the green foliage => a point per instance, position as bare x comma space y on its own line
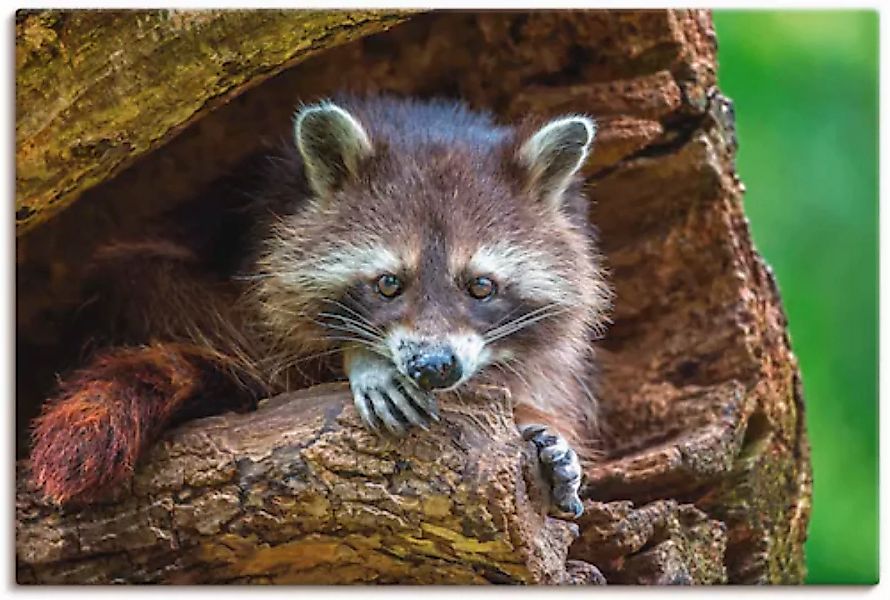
806, 97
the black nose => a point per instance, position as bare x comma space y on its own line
435, 369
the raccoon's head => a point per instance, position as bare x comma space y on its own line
434, 238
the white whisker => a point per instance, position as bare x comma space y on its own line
524, 321
351, 329
348, 321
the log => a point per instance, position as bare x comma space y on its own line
299, 492
124, 82
704, 473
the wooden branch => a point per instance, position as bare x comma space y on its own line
299, 492
97, 89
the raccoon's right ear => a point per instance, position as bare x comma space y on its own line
555, 153
332, 143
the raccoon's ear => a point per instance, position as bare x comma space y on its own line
554, 153
332, 143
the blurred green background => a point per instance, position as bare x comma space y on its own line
805, 86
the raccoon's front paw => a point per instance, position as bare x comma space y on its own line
561, 469
383, 396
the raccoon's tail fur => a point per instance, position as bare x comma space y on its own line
105, 416
173, 353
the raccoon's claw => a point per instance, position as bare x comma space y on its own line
561, 468
383, 401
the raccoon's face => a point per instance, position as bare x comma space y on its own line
438, 344
444, 251
439, 325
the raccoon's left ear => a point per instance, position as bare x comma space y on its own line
554, 153
332, 144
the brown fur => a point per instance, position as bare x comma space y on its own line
104, 416
186, 334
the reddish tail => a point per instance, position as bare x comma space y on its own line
104, 417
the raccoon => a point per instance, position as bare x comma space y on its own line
408, 246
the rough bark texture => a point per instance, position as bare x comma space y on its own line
299, 492
704, 476
97, 89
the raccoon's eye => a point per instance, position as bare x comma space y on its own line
389, 286
482, 288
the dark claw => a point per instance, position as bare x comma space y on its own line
388, 405
530, 432
405, 408
384, 413
572, 509
561, 468
421, 400
365, 412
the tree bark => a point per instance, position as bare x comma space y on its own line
704, 474
97, 89
299, 492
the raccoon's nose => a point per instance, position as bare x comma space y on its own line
434, 370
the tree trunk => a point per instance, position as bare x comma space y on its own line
704, 474
97, 89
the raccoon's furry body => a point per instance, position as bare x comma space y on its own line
409, 246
